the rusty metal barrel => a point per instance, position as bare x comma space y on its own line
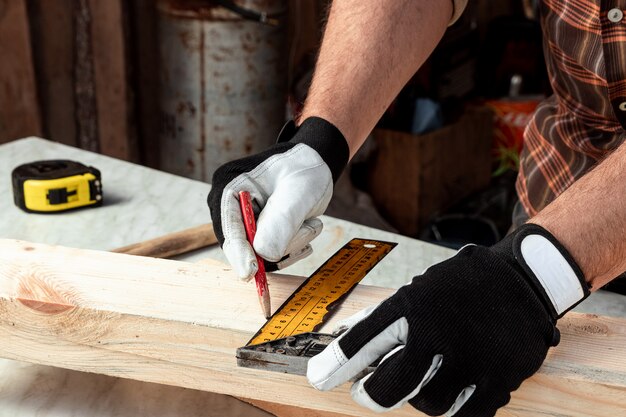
223, 83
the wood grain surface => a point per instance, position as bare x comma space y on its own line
173, 244
52, 30
116, 114
19, 110
177, 323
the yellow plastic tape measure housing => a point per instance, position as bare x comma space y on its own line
36, 193
55, 186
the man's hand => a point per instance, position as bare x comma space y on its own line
290, 183
464, 335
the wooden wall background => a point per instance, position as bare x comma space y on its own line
85, 72
19, 112
78, 72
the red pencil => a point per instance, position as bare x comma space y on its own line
260, 277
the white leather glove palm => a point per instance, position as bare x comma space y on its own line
290, 183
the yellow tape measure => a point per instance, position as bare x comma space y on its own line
56, 186
307, 307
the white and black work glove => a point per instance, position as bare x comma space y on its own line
291, 184
465, 334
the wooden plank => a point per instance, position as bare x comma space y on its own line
145, 77
281, 410
84, 83
116, 129
173, 244
52, 28
82, 50
179, 324
19, 109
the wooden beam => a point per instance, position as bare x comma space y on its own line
84, 83
173, 244
116, 115
144, 62
105, 109
281, 410
52, 29
19, 109
179, 324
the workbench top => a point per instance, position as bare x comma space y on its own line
139, 204
142, 203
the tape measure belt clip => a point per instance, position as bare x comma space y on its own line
59, 195
56, 186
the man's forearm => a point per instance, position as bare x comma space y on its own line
369, 52
589, 219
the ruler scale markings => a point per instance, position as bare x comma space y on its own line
288, 333
346, 271
286, 326
306, 308
300, 324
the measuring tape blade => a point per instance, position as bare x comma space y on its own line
305, 310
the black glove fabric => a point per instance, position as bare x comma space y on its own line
462, 336
290, 183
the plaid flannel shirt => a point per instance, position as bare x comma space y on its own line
585, 48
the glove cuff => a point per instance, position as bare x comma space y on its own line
551, 270
323, 137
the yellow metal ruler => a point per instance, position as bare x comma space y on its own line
305, 310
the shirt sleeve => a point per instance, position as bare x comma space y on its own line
458, 7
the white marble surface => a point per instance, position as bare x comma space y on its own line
141, 203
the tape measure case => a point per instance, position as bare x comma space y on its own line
56, 186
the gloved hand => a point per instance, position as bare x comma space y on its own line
290, 183
462, 336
